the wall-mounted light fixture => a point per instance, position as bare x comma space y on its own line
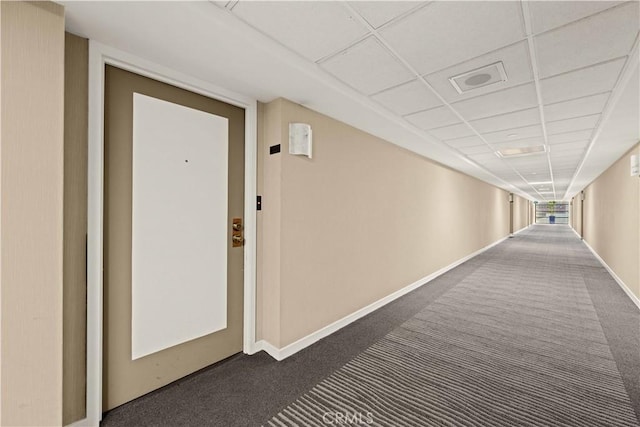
510, 197
300, 139
582, 195
635, 165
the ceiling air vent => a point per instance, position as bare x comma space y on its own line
520, 151
480, 77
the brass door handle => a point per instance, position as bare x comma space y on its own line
237, 239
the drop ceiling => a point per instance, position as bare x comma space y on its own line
384, 66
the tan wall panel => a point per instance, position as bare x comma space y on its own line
612, 220
520, 213
576, 214
362, 219
75, 227
31, 223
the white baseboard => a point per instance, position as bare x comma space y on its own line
576, 233
82, 423
624, 287
521, 230
269, 349
288, 350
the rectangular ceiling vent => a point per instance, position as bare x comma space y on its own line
520, 151
480, 77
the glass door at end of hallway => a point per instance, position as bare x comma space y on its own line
552, 213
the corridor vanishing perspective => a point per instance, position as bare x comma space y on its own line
533, 331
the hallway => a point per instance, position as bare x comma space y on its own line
533, 331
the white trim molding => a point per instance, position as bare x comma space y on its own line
99, 56
576, 233
291, 349
613, 274
521, 230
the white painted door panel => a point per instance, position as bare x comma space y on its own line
179, 229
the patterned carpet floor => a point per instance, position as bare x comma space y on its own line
516, 343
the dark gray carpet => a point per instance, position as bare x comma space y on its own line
532, 332
517, 342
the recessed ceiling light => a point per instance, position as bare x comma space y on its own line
512, 135
541, 183
480, 77
521, 151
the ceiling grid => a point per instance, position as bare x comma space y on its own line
385, 67
534, 67
420, 78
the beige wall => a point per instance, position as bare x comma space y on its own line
31, 224
362, 219
576, 214
520, 213
75, 228
612, 220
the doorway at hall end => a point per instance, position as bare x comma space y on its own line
552, 213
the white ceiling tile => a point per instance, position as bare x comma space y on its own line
546, 15
251, 62
494, 164
573, 154
528, 142
516, 119
408, 98
568, 146
504, 101
532, 162
623, 125
561, 138
302, 26
481, 158
540, 176
587, 81
624, 122
511, 177
446, 33
368, 67
566, 164
515, 59
525, 171
378, 13
479, 149
468, 141
605, 36
434, 118
576, 108
521, 133
570, 125
452, 132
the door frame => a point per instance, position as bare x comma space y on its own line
99, 56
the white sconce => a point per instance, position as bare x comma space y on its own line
582, 195
510, 197
300, 139
635, 165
